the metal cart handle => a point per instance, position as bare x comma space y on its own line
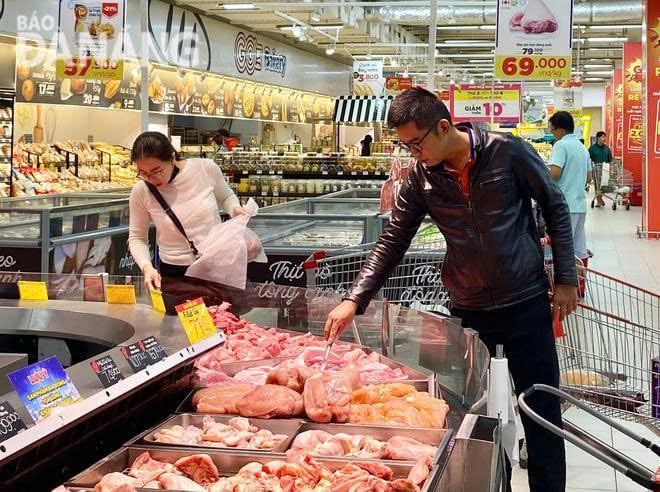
633, 470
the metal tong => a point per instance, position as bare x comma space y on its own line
326, 355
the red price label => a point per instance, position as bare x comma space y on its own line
74, 67
533, 67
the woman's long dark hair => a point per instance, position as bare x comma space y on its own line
153, 144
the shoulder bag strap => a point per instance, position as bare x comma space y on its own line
170, 213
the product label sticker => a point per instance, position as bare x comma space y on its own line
144, 353
10, 422
107, 371
196, 320
153, 349
33, 291
120, 294
43, 386
157, 301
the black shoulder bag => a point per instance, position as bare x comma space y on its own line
170, 213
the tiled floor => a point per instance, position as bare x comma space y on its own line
618, 252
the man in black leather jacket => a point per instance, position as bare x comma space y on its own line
477, 187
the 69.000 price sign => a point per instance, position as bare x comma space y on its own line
533, 67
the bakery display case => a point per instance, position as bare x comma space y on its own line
6, 135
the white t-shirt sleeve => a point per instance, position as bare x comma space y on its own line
558, 156
138, 228
223, 193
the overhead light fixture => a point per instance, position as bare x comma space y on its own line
330, 50
321, 27
468, 55
594, 79
456, 28
238, 6
599, 72
452, 82
479, 61
607, 40
616, 26
297, 31
488, 27
461, 41
316, 15
588, 65
406, 74
394, 62
472, 81
466, 44
606, 49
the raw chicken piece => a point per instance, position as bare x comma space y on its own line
403, 485
407, 448
112, 481
328, 396
147, 469
377, 470
199, 467
270, 401
349, 478
309, 440
61, 488
174, 481
289, 375
179, 435
220, 399
154, 484
421, 470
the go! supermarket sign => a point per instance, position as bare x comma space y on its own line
500, 103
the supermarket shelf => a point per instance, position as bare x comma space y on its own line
319, 175
263, 194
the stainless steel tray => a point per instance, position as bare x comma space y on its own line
287, 427
228, 463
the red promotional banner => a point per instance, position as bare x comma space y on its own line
609, 110
633, 121
617, 121
651, 210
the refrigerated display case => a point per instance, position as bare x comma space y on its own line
70, 447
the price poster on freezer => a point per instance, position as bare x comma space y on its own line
483, 103
196, 320
43, 386
107, 371
10, 422
534, 39
90, 44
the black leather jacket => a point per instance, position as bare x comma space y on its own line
494, 258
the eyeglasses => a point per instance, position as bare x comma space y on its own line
417, 144
158, 173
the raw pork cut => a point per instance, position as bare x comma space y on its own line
535, 19
199, 467
113, 481
407, 448
173, 481
220, 399
270, 401
328, 395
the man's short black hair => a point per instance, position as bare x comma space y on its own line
600, 134
563, 120
417, 105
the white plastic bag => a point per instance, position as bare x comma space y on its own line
226, 251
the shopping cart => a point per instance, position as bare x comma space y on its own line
414, 283
640, 474
613, 182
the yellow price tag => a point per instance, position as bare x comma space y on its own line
196, 320
157, 301
120, 294
33, 291
533, 67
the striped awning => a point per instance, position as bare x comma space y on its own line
357, 109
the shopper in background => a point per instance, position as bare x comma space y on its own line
600, 154
190, 190
218, 142
477, 187
366, 145
570, 167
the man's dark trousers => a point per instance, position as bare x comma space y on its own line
525, 330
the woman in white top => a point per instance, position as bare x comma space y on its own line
192, 188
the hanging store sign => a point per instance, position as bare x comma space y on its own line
499, 103
534, 39
651, 163
368, 78
618, 113
90, 44
252, 56
633, 121
609, 110
568, 97
395, 85
43, 386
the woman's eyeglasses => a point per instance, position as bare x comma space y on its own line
158, 173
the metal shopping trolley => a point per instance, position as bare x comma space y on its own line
415, 282
613, 183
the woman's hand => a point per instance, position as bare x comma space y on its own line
239, 211
338, 319
151, 278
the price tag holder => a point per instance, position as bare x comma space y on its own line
107, 371
271, 172
120, 294
533, 67
93, 289
324, 173
157, 301
196, 320
353, 173
259, 171
365, 173
33, 291
10, 422
153, 349
9, 290
377, 173
136, 357
43, 386
340, 173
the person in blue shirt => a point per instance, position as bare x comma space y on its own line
570, 166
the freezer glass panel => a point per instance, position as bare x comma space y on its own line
324, 233
19, 225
